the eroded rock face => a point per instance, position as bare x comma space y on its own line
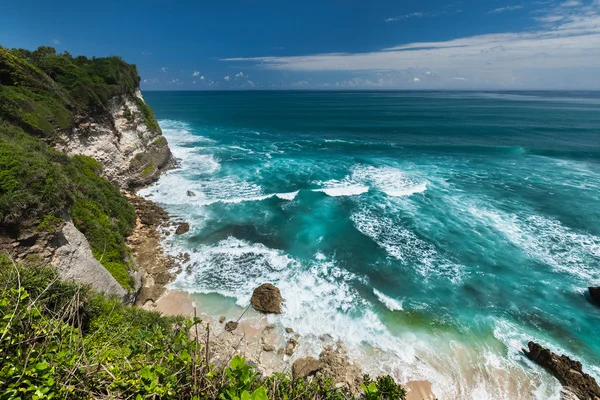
73, 260
337, 365
595, 293
267, 298
306, 366
131, 153
231, 326
568, 372
182, 228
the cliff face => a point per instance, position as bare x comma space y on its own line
131, 151
66, 124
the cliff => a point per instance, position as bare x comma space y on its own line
73, 133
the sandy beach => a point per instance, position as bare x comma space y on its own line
253, 338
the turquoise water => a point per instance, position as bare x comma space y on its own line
434, 232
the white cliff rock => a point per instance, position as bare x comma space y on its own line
130, 152
74, 261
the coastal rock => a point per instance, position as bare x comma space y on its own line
221, 319
73, 260
182, 228
290, 347
337, 365
190, 193
268, 347
267, 298
306, 366
595, 293
131, 152
568, 372
231, 326
289, 330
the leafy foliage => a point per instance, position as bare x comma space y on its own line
38, 183
59, 340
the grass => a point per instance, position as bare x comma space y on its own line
59, 340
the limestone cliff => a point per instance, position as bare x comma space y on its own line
58, 208
131, 151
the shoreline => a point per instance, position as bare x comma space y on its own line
257, 340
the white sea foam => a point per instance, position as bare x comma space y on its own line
337, 190
287, 196
548, 241
404, 245
391, 304
389, 180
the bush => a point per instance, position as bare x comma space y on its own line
38, 183
60, 340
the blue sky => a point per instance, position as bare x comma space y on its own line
335, 44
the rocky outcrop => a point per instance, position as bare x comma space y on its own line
124, 140
231, 326
568, 372
148, 255
74, 261
337, 365
595, 293
306, 366
267, 298
182, 228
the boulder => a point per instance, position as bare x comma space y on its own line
290, 346
182, 228
221, 319
306, 366
568, 372
595, 293
231, 326
289, 330
268, 347
190, 193
267, 298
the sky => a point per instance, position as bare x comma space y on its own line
325, 44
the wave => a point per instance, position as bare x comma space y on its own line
391, 304
343, 190
389, 180
548, 241
405, 246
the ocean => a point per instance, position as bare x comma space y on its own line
435, 233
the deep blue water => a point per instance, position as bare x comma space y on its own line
445, 228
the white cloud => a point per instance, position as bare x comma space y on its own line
239, 75
146, 53
196, 73
406, 16
566, 40
150, 81
55, 41
202, 78
460, 78
164, 69
504, 9
416, 80
226, 78
174, 80
250, 83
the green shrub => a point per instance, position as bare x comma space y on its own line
59, 340
38, 183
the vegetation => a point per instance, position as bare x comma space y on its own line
60, 341
41, 93
39, 184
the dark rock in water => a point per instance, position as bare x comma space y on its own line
267, 298
289, 330
306, 366
221, 319
290, 347
567, 371
231, 326
595, 293
182, 228
190, 193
